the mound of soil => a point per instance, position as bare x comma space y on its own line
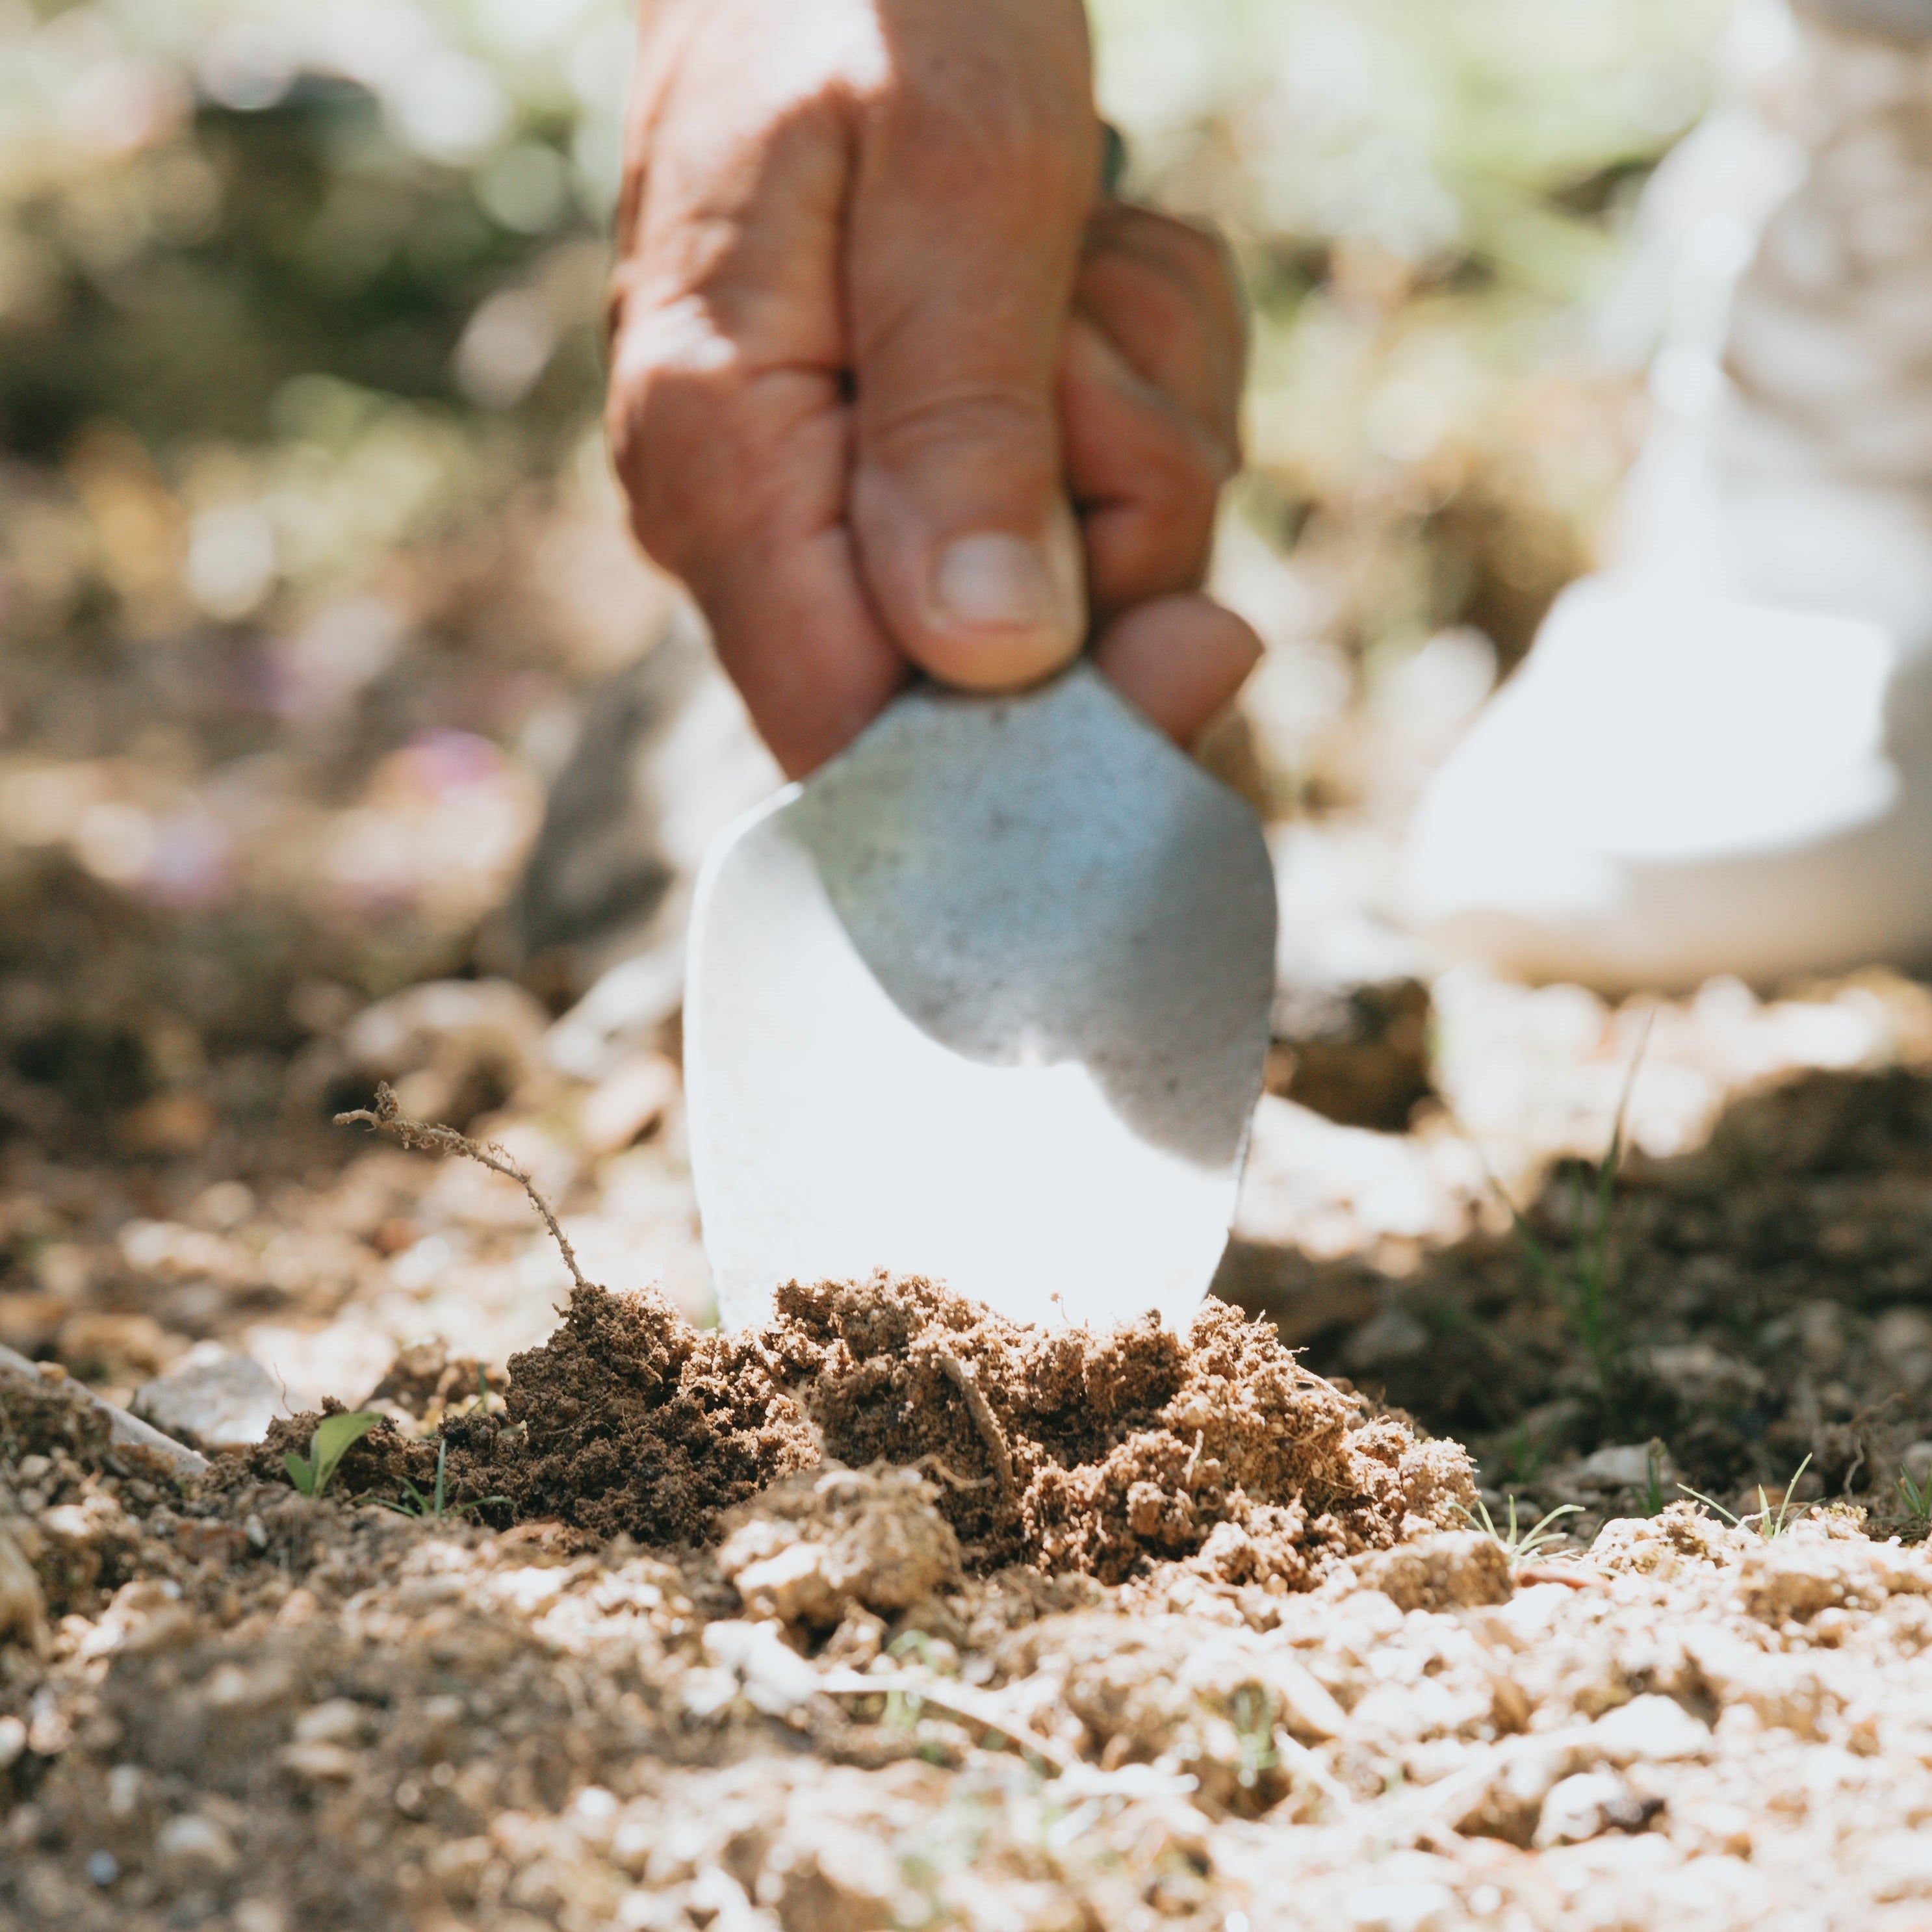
1070, 1450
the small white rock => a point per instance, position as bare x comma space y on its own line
1415, 1906
192, 1842
340, 1720
1649, 1730
1621, 1465
776, 1679
220, 1400
319, 1763
22, 1608
703, 1694
1580, 1807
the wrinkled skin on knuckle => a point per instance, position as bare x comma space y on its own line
1187, 339
727, 334
1006, 105
712, 451
960, 421
1184, 480
1159, 544
669, 422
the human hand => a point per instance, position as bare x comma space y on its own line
892, 388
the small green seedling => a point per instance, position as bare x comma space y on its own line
1520, 1545
1583, 1283
435, 1508
1917, 1499
1254, 1731
1653, 1481
935, 1654
1771, 1523
334, 1436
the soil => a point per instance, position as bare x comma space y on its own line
892, 1613
1063, 1449
229, 1704
1765, 1301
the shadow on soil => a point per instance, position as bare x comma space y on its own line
1767, 1297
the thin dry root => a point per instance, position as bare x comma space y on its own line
427, 1137
984, 1420
938, 1466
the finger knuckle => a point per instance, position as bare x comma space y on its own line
673, 388
1187, 472
927, 420
1203, 254
1180, 489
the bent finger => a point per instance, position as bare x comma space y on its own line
1167, 294
1181, 660
1146, 476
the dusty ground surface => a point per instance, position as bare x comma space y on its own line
891, 1614
238, 1706
308, 556
1156, 1629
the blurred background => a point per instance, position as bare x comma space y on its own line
312, 570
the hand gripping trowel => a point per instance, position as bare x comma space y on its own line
986, 999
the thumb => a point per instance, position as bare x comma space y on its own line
964, 246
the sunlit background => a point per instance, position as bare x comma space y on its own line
311, 569
309, 541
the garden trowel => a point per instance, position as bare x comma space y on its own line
986, 999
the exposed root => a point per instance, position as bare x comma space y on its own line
938, 1465
984, 1420
387, 1117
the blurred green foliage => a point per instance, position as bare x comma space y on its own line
301, 305
1429, 202
307, 542
232, 224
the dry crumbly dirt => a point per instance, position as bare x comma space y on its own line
894, 1615
1766, 1304
235, 1707
1061, 1448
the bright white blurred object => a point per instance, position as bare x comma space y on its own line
986, 999
1717, 757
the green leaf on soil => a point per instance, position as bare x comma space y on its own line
334, 1436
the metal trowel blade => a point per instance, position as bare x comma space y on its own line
986, 999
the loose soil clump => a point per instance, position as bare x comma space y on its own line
1066, 1449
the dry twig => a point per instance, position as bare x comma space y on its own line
387, 1117
984, 1420
938, 1466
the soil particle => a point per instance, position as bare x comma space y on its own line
633, 1421
1190, 1696
1808, 1570
1458, 1571
812, 1546
425, 1380
1658, 1545
22, 1608
43, 1417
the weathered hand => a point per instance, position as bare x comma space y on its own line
892, 388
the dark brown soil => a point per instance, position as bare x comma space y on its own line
1070, 1450
47, 1418
1765, 1302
